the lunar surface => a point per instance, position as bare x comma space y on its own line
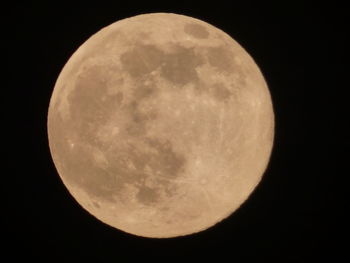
160, 125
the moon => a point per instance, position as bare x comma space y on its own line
160, 125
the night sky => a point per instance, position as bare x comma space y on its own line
295, 213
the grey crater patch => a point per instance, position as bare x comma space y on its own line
221, 58
177, 66
90, 103
196, 30
95, 204
143, 160
141, 60
180, 65
131, 164
147, 195
220, 92
138, 118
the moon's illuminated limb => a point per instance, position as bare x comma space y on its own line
160, 125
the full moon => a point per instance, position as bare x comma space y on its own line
160, 125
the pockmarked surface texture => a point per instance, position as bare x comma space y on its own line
160, 125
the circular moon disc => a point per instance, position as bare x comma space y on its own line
160, 125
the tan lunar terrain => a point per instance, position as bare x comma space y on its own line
160, 125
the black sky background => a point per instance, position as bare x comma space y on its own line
294, 215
